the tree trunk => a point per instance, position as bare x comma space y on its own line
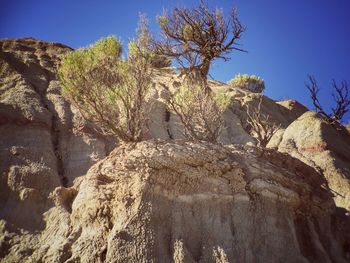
204, 70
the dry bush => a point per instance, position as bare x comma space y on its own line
109, 91
260, 126
341, 98
201, 113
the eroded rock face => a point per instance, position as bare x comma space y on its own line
166, 125
40, 128
159, 201
43, 142
322, 146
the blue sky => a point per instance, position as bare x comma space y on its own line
285, 40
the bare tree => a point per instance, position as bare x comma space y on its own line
341, 98
197, 36
260, 125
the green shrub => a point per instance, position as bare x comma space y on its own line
108, 91
250, 82
201, 113
160, 61
156, 61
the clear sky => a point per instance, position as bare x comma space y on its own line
285, 39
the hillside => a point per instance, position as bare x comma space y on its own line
66, 195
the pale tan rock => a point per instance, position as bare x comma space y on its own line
164, 125
157, 201
322, 146
295, 107
160, 201
43, 142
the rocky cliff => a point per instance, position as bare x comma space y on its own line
43, 141
164, 199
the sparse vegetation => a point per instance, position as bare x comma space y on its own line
107, 90
260, 125
111, 92
195, 37
144, 39
200, 112
250, 82
341, 98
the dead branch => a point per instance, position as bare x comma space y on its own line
341, 99
260, 126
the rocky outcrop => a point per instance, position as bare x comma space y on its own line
160, 201
166, 125
296, 109
44, 143
322, 146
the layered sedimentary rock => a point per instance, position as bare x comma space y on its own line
43, 142
159, 201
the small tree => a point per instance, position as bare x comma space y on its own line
194, 38
250, 82
341, 98
201, 113
197, 36
260, 126
107, 90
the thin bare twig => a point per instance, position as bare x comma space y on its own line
260, 125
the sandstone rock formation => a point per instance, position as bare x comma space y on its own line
165, 127
322, 146
42, 142
162, 200
159, 201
